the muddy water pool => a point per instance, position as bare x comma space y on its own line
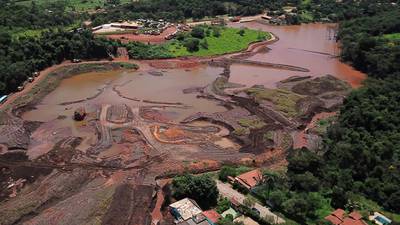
131, 88
311, 46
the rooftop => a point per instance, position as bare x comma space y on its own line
339, 213
338, 217
212, 215
187, 208
355, 215
250, 179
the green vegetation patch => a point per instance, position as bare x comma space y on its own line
217, 41
306, 16
284, 101
394, 36
241, 131
251, 123
232, 171
366, 205
322, 125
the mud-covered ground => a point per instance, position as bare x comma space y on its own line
137, 127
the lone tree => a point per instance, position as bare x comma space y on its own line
198, 32
203, 189
192, 44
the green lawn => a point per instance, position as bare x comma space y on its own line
21, 32
229, 41
395, 36
284, 101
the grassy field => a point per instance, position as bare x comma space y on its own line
19, 32
395, 36
78, 5
323, 124
229, 41
284, 101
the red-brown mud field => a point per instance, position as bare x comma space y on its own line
166, 118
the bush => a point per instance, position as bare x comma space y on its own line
180, 36
240, 188
223, 205
241, 32
192, 44
197, 32
216, 31
225, 172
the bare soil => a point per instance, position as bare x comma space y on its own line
145, 38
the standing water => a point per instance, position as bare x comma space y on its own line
311, 46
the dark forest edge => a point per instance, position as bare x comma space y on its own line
359, 164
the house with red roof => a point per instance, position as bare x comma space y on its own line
212, 216
250, 179
339, 217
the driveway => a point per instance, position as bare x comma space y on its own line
227, 191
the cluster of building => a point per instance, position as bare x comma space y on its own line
145, 26
279, 17
339, 217
188, 212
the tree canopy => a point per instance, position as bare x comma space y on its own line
203, 189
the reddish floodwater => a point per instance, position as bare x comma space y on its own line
306, 46
138, 85
309, 45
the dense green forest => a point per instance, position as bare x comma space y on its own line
360, 160
19, 58
178, 10
367, 48
363, 149
32, 16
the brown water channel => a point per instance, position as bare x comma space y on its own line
310, 46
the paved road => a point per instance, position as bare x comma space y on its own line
227, 191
